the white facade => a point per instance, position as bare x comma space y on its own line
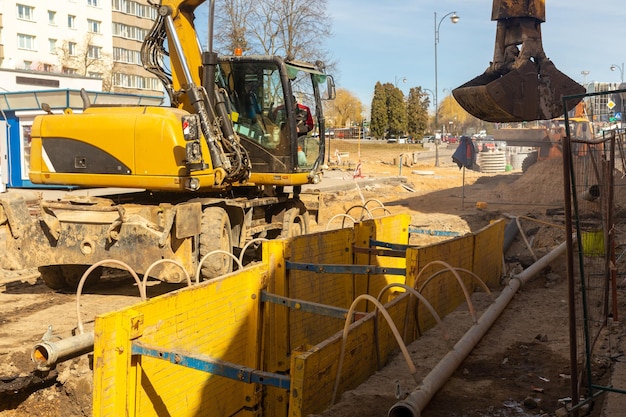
34, 33
99, 39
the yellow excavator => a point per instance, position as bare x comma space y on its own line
521, 84
222, 166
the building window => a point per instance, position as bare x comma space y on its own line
48, 67
25, 12
93, 26
71, 48
70, 71
71, 21
27, 65
136, 81
52, 17
129, 32
94, 52
52, 46
94, 3
92, 74
25, 42
126, 56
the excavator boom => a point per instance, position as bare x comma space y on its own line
521, 84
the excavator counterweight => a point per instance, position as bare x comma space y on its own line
521, 84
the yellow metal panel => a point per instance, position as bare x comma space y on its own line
443, 291
488, 252
334, 247
315, 371
218, 318
390, 229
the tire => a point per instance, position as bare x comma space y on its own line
67, 277
216, 235
530, 160
295, 222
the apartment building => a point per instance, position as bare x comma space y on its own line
98, 39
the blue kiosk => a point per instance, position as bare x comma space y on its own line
19, 109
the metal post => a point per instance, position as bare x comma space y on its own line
454, 18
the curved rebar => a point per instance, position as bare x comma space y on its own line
392, 326
245, 247
446, 335
340, 215
380, 203
160, 261
385, 209
363, 210
81, 283
448, 267
204, 258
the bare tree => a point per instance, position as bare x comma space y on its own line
231, 24
85, 58
291, 28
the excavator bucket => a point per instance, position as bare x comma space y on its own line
521, 84
523, 94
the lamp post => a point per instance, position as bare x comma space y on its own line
621, 85
584, 73
620, 68
396, 79
454, 18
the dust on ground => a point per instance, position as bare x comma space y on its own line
520, 368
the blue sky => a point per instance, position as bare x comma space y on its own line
387, 41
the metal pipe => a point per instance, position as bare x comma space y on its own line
47, 354
415, 402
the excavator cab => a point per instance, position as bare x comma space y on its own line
262, 94
521, 84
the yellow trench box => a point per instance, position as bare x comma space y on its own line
269, 340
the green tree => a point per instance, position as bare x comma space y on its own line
396, 110
417, 111
378, 116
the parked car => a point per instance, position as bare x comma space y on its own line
453, 139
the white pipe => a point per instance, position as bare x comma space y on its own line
47, 354
415, 402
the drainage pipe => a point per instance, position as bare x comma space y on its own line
47, 354
415, 402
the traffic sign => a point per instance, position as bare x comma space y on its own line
610, 104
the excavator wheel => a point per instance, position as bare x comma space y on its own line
295, 222
523, 94
216, 235
67, 277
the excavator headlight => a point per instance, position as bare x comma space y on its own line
191, 127
192, 184
193, 152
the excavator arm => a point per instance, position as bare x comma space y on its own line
173, 39
521, 84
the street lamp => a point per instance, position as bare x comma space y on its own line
584, 73
396, 79
454, 18
620, 68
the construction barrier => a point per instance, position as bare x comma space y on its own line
319, 315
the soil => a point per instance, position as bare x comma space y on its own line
519, 368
